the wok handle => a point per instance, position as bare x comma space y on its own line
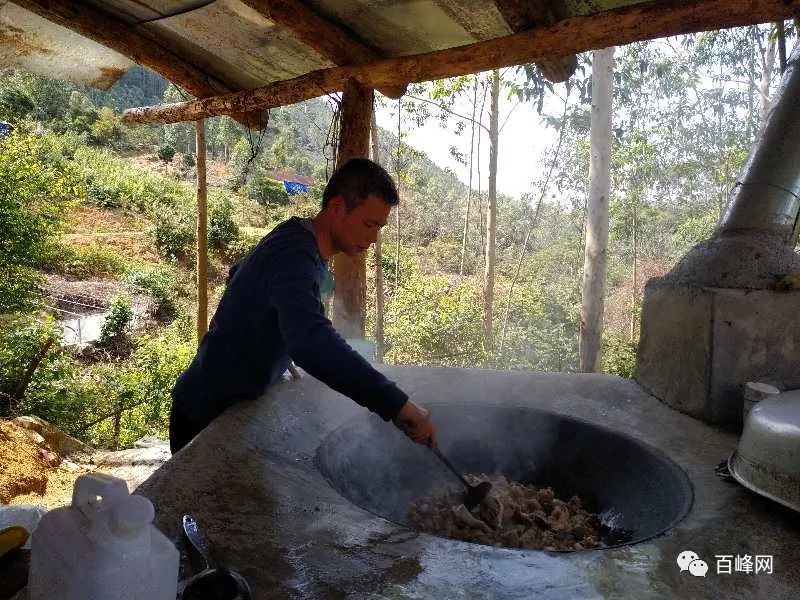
192, 531
438, 453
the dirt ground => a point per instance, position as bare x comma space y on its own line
32, 471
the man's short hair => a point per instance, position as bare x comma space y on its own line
358, 178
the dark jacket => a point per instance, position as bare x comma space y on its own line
271, 313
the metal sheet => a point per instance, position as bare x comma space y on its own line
236, 44
398, 28
30, 42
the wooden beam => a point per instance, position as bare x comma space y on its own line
350, 272
522, 15
577, 34
327, 39
202, 231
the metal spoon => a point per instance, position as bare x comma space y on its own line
212, 583
475, 493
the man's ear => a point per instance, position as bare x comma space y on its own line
337, 205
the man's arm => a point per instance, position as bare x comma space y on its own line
317, 347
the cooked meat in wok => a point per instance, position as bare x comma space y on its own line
513, 514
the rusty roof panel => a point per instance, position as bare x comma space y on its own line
236, 44
398, 27
29, 42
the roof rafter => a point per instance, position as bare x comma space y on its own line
522, 15
577, 34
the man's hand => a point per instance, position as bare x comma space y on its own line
415, 422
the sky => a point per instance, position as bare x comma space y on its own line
523, 140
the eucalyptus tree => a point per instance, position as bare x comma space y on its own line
594, 270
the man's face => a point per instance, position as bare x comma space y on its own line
355, 231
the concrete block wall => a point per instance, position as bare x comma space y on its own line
700, 345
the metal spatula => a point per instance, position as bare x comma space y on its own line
475, 493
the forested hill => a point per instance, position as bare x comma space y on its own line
298, 135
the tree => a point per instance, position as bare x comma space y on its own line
31, 207
380, 342
597, 217
14, 104
491, 215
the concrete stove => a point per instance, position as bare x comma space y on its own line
253, 482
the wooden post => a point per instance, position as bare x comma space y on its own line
202, 232
350, 273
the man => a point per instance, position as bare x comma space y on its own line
271, 314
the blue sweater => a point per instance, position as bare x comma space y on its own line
271, 313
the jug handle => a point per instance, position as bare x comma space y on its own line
93, 485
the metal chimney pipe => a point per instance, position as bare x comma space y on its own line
753, 246
766, 198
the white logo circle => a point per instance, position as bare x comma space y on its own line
698, 568
685, 558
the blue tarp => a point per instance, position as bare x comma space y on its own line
5, 129
294, 187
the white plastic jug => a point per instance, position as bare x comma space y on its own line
103, 547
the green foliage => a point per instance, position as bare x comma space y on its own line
81, 113
160, 282
694, 230
15, 104
244, 243
222, 229
619, 356
111, 182
50, 393
82, 400
165, 153
174, 232
116, 326
140, 387
432, 321
107, 130
94, 260
32, 201
267, 191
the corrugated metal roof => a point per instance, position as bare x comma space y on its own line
234, 46
33, 43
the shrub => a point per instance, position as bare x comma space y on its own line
222, 229
173, 232
619, 356
111, 182
242, 245
15, 104
267, 191
107, 130
50, 394
32, 202
160, 282
166, 153
83, 400
433, 323
87, 261
114, 333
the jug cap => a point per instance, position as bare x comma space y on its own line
131, 515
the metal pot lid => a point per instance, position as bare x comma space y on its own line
767, 459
